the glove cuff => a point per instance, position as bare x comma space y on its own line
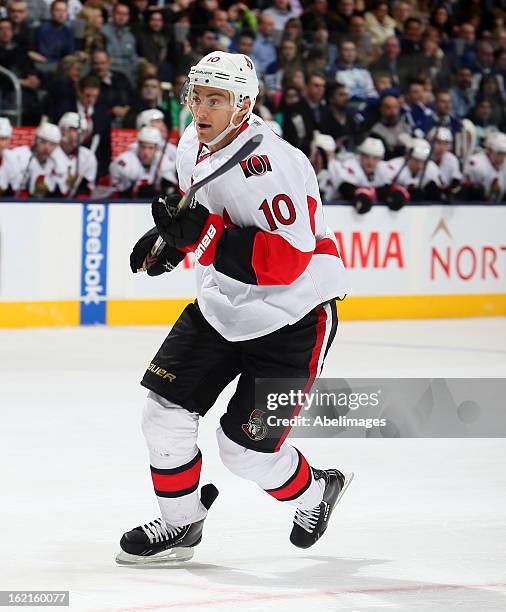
205, 246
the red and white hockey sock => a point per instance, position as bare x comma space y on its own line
175, 460
285, 474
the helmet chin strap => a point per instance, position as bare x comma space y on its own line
230, 128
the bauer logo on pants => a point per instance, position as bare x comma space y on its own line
255, 428
94, 264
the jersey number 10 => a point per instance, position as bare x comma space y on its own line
283, 214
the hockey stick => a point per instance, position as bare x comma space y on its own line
26, 173
158, 166
426, 162
402, 166
95, 141
247, 148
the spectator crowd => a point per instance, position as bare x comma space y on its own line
392, 101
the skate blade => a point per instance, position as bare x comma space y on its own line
348, 477
167, 557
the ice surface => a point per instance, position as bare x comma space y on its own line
422, 527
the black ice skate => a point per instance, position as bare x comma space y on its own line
157, 542
310, 525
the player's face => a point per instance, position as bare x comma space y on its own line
4, 144
439, 148
497, 159
211, 110
88, 96
43, 150
369, 163
160, 124
147, 152
415, 165
70, 137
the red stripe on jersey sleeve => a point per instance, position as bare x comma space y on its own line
325, 246
312, 204
275, 261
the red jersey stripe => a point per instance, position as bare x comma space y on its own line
311, 204
275, 261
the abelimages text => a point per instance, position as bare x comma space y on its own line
324, 421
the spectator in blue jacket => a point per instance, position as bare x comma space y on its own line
418, 117
53, 38
357, 80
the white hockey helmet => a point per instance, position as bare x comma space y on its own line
5, 128
73, 120
373, 147
150, 135
496, 142
49, 132
324, 141
147, 116
440, 133
233, 72
420, 150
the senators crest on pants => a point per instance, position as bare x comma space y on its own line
255, 428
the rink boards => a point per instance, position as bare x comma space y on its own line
68, 264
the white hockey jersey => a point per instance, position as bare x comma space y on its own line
351, 171
127, 171
37, 179
276, 191
406, 177
168, 149
449, 169
68, 168
480, 170
9, 170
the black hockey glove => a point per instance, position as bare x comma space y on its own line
191, 229
165, 261
396, 197
363, 199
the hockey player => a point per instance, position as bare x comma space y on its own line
268, 270
417, 173
134, 173
485, 173
8, 166
76, 165
364, 179
449, 168
152, 117
37, 165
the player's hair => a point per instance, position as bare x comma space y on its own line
332, 88
90, 81
414, 81
314, 74
55, 2
247, 34
412, 20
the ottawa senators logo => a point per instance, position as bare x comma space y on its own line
256, 165
255, 428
